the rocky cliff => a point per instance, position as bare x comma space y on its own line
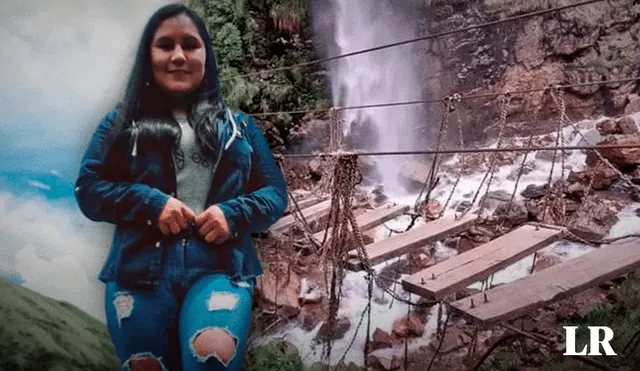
588, 43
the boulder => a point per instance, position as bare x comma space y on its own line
430, 210
495, 198
623, 125
535, 192
592, 220
340, 328
413, 326
633, 104
420, 260
620, 157
546, 261
603, 177
381, 339
285, 294
635, 175
454, 338
516, 215
384, 361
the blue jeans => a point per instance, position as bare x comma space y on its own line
160, 325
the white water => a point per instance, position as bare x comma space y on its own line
383, 315
383, 76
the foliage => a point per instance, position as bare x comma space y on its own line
254, 36
277, 355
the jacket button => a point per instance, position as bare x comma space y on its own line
158, 244
77, 189
148, 222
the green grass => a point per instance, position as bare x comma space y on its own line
39, 333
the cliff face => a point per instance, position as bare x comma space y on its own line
588, 43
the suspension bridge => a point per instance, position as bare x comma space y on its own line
329, 224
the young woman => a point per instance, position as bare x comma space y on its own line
186, 182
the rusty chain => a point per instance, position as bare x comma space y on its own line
433, 171
504, 111
457, 98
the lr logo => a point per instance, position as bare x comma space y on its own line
594, 341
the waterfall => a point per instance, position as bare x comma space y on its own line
382, 76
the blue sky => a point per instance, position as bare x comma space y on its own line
64, 66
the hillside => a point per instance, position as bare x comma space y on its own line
39, 333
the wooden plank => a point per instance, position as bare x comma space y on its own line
401, 244
303, 203
557, 282
310, 214
371, 218
460, 271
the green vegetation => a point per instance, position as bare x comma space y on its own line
278, 355
622, 316
254, 36
39, 333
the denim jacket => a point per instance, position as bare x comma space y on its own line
129, 186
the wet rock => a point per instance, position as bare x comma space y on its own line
381, 339
310, 136
623, 125
606, 127
603, 177
284, 295
341, 326
480, 233
633, 104
591, 137
620, 157
411, 327
515, 215
534, 192
546, 261
626, 125
635, 175
454, 338
495, 198
526, 169
384, 361
309, 294
431, 210
465, 244
420, 260
534, 208
463, 206
592, 220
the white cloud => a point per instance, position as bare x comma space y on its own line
55, 250
37, 184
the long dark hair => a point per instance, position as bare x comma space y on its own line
145, 103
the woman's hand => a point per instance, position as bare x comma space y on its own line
213, 225
175, 217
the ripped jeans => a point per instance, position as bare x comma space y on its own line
159, 329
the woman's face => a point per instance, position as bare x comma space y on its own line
178, 56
